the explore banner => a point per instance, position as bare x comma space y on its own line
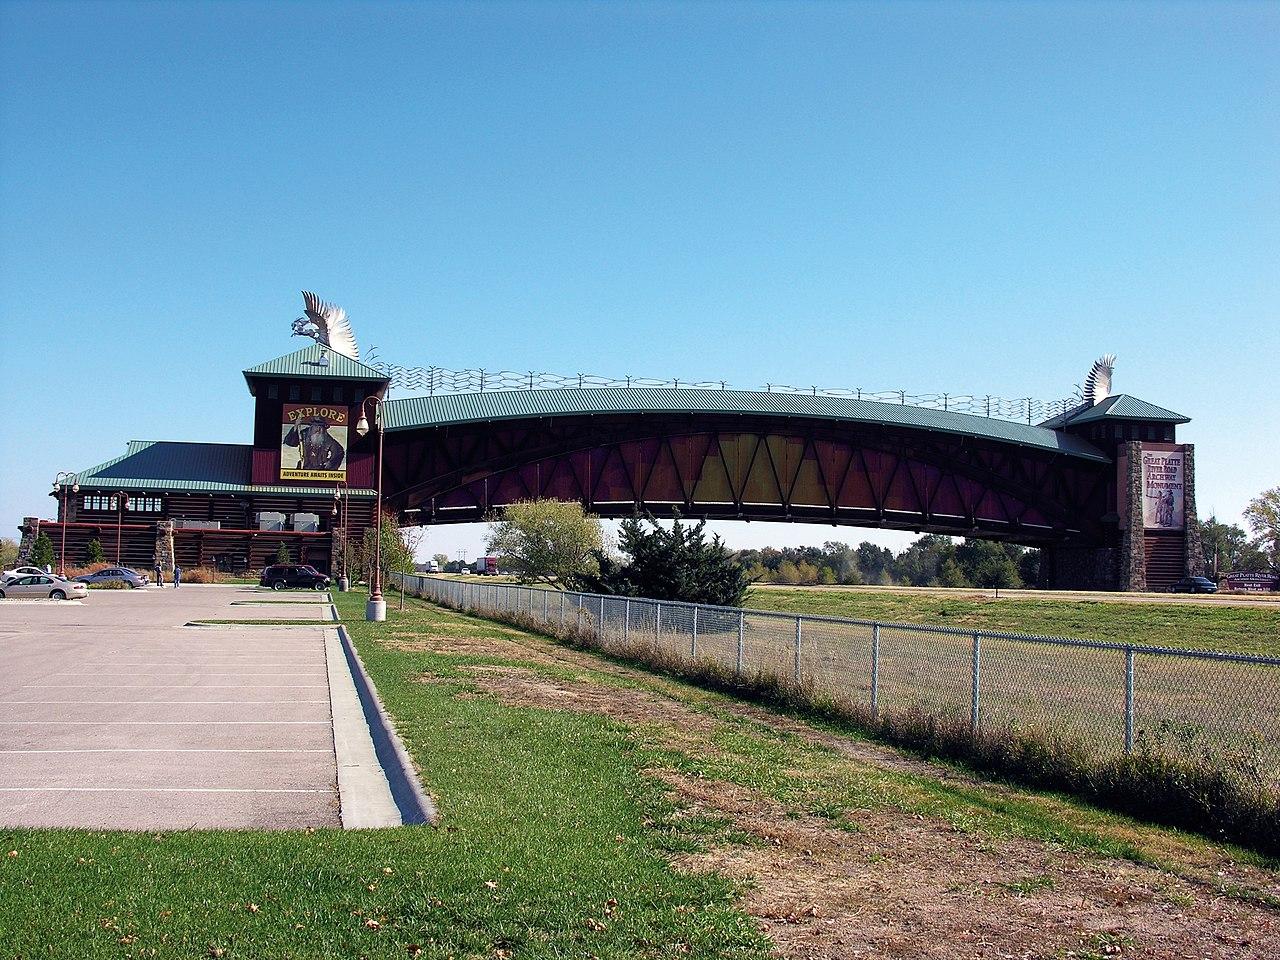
313, 442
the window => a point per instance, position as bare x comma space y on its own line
97, 501
295, 394
273, 392
337, 394
143, 504
315, 395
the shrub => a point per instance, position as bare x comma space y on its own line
201, 575
109, 585
93, 551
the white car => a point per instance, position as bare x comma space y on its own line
17, 572
42, 586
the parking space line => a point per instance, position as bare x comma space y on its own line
171, 750
121, 703
160, 790
158, 723
181, 686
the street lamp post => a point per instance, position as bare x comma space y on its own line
61, 486
341, 498
376, 608
123, 498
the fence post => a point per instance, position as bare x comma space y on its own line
546, 604
799, 621
977, 683
600, 625
1129, 658
875, 671
742, 623
693, 637
561, 609
657, 624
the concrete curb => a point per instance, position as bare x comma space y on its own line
411, 799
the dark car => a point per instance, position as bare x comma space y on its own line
132, 578
1193, 585
283, 575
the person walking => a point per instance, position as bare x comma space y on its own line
177, 576
159, 575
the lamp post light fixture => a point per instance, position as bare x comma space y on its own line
342, 501
376, 607
65, 481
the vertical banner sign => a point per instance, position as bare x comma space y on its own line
1162, 489
313, 442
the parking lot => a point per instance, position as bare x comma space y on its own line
116, 714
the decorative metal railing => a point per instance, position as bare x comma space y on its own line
442, 380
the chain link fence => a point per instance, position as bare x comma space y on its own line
1217, 709
442, 380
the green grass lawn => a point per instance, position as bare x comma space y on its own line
543, 823
1205, 627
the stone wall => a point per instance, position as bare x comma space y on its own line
1133, 548
1069, 567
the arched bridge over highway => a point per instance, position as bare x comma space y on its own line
734, 455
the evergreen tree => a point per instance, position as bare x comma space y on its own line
282, 554
42, 551
675, 564
93, 552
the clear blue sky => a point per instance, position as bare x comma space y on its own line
962, 197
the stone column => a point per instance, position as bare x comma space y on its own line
164, 544
30, 530
1195, 562
1133, 548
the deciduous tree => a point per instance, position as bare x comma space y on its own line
545, 541
1263, 517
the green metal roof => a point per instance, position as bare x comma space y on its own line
307, 362
1124, 407
179, 466
445, 409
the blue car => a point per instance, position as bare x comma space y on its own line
123, 574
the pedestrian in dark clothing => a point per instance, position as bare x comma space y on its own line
177, 576
159, 575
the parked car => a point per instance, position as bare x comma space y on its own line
133, 578
42, 586
1193, 585
27, 572
281, 575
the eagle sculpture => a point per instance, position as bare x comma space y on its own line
326, 324
1097, 385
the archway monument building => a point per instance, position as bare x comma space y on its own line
1102, 486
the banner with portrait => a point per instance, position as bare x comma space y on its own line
313, 442
1162, 489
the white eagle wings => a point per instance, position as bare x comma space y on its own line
326, 323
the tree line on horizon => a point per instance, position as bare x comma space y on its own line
931, 560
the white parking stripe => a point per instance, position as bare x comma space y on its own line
172, 750
181, 686
118, 703
159, 790
155, 723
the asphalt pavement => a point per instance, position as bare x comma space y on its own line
115, 713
